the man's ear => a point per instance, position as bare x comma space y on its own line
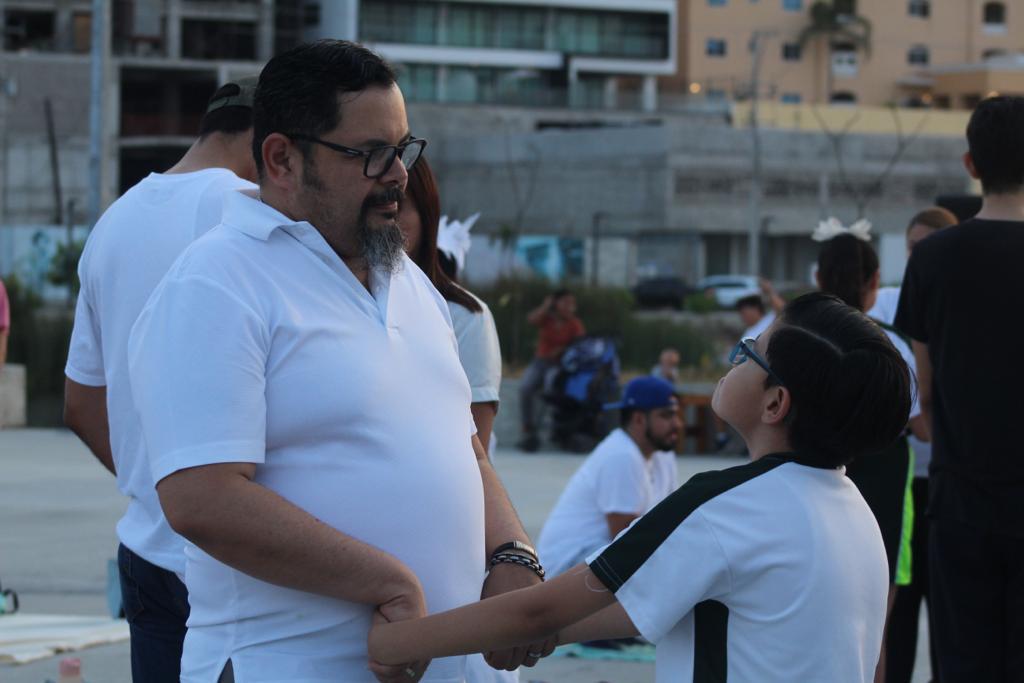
282, 162
776, 405
969, 165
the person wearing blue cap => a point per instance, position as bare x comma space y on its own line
628, 473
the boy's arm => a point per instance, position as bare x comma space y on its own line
611, 623
527, 615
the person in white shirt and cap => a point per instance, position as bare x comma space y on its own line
631, 470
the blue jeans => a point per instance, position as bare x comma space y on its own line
156, 606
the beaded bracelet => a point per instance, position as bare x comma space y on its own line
521, 560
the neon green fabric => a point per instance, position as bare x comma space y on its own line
905, 560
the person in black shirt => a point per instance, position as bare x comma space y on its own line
965, 339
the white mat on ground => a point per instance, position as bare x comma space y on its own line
27, 637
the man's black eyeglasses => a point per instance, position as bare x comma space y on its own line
379, 159
743, 350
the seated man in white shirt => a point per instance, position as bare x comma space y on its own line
306, 415
628, 473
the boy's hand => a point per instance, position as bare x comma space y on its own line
501, 579
400, 608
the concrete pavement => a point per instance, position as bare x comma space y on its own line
58, 508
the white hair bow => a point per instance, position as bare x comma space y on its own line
826, 230
453, 238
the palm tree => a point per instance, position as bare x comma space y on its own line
836, 21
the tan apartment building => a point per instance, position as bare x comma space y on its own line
941, 53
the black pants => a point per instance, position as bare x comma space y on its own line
156, 606
905, 620
977, 603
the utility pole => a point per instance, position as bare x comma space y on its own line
97, 82
754, 228
595, 250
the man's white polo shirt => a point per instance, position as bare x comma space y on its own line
770, 572
261, 346
133, 245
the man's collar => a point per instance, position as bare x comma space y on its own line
244, 211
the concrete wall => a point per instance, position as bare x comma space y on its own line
12, 396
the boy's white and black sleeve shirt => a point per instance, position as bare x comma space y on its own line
767, 572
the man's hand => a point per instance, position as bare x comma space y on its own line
502, 579
411, 605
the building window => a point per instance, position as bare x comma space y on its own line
608, 34
202, 39
844, 60
919, 8
994, 15
81, 31
992, 53
714, 94
398, 21
28, 30
791, 52
311, 14
791, 98
793, 5
918, 55
715, 47
717, 3
843, 97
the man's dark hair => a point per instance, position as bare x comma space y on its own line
752, 301
850, 388
995, 138
298, 89
625, 416
560, 294
229, 120
845, 267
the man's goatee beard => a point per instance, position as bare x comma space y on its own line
383, 246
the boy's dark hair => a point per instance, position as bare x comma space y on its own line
230, 119
752, 301
995, 138
850, 388
299, 88
560, 293
846, 265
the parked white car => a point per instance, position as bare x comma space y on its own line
728, 289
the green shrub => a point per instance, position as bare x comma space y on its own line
699, 302
39, 340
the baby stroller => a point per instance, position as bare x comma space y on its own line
587, 377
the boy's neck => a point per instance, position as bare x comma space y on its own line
1002, 207
767, 440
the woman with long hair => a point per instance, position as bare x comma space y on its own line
848, 268
479, 350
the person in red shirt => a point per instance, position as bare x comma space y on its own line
559, 327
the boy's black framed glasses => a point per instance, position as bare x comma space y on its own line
743, 350
377, 160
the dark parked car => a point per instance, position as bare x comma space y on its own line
665, 290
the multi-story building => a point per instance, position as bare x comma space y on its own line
947, 54
581, 53
554, 116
